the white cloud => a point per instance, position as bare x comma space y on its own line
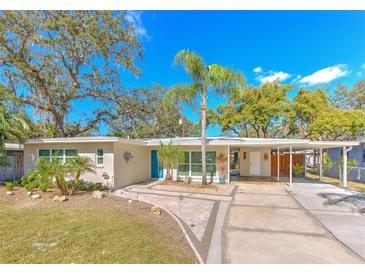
257, 70
326, 75
272, 76
135, 18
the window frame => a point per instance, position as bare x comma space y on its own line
64, 157
97, 157
191, 164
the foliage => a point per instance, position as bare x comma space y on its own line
338, 165
9, 186
354, 98
170, 155
257, 111
60, 57
298, 169
82, 185
43, 186
47, 171
13, 123
29, 186
153, 118
222, 162
313, 117
78, 166
204, 78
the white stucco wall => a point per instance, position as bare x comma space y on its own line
84, 150
134, 171
265, 165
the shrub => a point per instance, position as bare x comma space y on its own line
86, 186
9, 186
298, 169
43, 186
29, 186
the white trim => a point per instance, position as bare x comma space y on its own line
296, 143
11, 146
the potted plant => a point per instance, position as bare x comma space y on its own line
222, 162
298, 170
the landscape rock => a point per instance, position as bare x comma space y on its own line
35, 196
9, 193
29, 193
130, 201
98, 194
60, 198
155, 210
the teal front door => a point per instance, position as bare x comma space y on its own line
156, 169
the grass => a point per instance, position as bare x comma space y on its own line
334, 181
88, 232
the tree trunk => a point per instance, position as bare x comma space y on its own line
74, 183
59, 124
203, 139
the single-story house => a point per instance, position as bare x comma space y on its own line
13, 169
357, 153
121, 161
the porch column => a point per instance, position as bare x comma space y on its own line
305, 164
344, 170
278, 165
290, 166
229, 164
320, 164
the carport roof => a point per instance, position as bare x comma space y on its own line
227, 141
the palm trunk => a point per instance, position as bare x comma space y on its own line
203, 139
74, 183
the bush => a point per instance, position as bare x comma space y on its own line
86, 186
29, 186
298, 169
43, 186
9, 186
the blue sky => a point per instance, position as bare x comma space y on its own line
309, 48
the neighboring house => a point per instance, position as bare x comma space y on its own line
358, 153
14, 159
121, 162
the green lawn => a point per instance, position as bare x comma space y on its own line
87, 232
335, 181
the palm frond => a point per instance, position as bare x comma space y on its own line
193, 64
225, 80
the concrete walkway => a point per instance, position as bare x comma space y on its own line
265, 224
341, 211
201, 215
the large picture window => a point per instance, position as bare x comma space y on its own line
193, 162
61, 155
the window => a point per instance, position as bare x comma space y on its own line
99, 156
61, 155
184, 165
57, 155
44, 153
196, 164
70, 154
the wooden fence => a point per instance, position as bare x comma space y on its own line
284, 163
14, 169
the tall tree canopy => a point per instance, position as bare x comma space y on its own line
346, 98
204, 78
154, 118
257, 111
52, 59
313, 117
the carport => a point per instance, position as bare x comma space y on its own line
246, 148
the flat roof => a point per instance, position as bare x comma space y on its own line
196, 141
13, 146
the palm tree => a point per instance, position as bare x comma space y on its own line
216, 78
47, 171
170, 155
79, 165
13, 126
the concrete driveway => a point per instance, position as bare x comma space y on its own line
265, 224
